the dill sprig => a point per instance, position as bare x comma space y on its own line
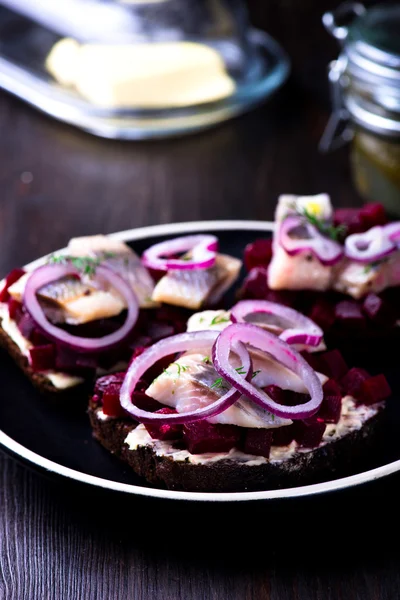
85, 264
335, 233
219, 319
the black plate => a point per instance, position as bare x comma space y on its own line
56, 438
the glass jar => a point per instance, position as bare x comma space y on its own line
365, 83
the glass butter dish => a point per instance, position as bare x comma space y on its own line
134, 69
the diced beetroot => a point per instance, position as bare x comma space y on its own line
37, 338
145, 402
373, 214
258, 442
283, 436
42, 358
111, 403
276, 393
333, 364
309, 433
158, 331
67, 361
285, 397
330, 409
378, 310
281, 297
313, 359
348, 314
323, 314
255, 284
258, 254
11, 278
26, 325
165, 431
332, 388
202, 436
353, 380
103, 382
374, 389
350, 218
15, 309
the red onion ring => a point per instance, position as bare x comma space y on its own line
203, 250
197, 340
326, 250
370, 246
301, 330
392, 230
283, 353
50, 273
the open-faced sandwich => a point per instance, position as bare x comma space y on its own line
90, 308
341, 268
246, 399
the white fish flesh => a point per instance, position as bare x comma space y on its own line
194, 288
191, 382
76, 301
300, 272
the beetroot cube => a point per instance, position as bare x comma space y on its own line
333, 364
276, 393
11, 278
202, 436
42, 358
111, 404
379, 311
353, 380
283, 436
348, 314
258, 254
350, 218
255, 285
26, 325
309, 433
37, 338
332, 388
145, 402
281, 297
374, 389
330, 409
373, 214
258, 442
15, 309
103, 382
323, 314
165, 431
313, 359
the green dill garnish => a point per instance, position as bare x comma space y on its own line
255, 373
86, 264
335, 233
219, 319
373, 265
180, 369
241, 370
206, 360
219, 383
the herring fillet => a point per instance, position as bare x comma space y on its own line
74, 301
198, 287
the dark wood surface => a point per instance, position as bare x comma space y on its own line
60, 541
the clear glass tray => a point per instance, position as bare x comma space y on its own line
24, 46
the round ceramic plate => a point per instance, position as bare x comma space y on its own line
58, 439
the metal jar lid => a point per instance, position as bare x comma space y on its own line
365, 79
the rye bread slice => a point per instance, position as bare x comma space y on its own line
354, 451
39, 380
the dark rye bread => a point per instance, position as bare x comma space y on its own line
338, 458
42, 383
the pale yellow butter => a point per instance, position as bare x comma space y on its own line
148, 75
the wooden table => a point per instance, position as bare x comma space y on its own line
65, 542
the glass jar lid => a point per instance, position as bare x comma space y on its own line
365, 79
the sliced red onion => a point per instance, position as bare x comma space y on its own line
370, 246
283, 353
392, 230
50, 273
297, 235
196, 340
203, 251
296, 327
